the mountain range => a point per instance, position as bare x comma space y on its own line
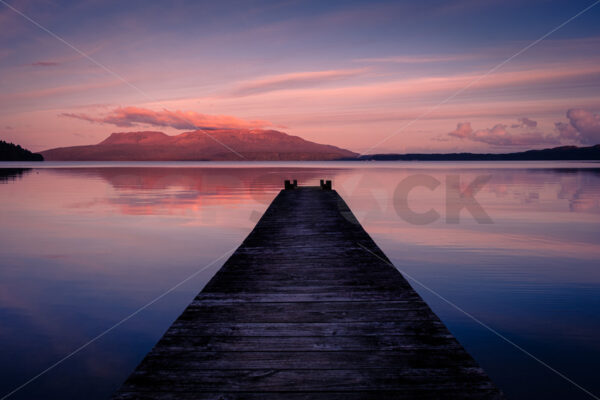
556, 153
213, 145
255, 145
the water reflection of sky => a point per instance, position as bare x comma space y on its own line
84, 247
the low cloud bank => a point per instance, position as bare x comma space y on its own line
583, 128
500, 136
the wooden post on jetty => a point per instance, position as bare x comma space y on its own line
308, 307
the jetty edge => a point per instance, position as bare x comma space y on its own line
308, 307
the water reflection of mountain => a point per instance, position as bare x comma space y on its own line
12, 174
212, 179
148, 190
141, 190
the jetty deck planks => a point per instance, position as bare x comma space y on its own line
302, 311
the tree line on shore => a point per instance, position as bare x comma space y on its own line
14, 152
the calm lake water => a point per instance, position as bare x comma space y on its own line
84, 246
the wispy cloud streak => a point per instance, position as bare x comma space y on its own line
425, 59
293, 81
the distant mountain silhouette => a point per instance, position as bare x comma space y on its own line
214, 145
14, 152
557, 153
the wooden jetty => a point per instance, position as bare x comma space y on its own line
308, 307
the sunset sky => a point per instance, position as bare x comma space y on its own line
375, 77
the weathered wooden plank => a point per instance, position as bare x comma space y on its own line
407, 393
372, 296
315, 359
312, 380
385, 311
425, 328
177, 343
297, 287
312, 274
301, 311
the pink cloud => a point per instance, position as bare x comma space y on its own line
498, 135
567, 131
135, 116
292, 81
463, 130
583, 125
525, 123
